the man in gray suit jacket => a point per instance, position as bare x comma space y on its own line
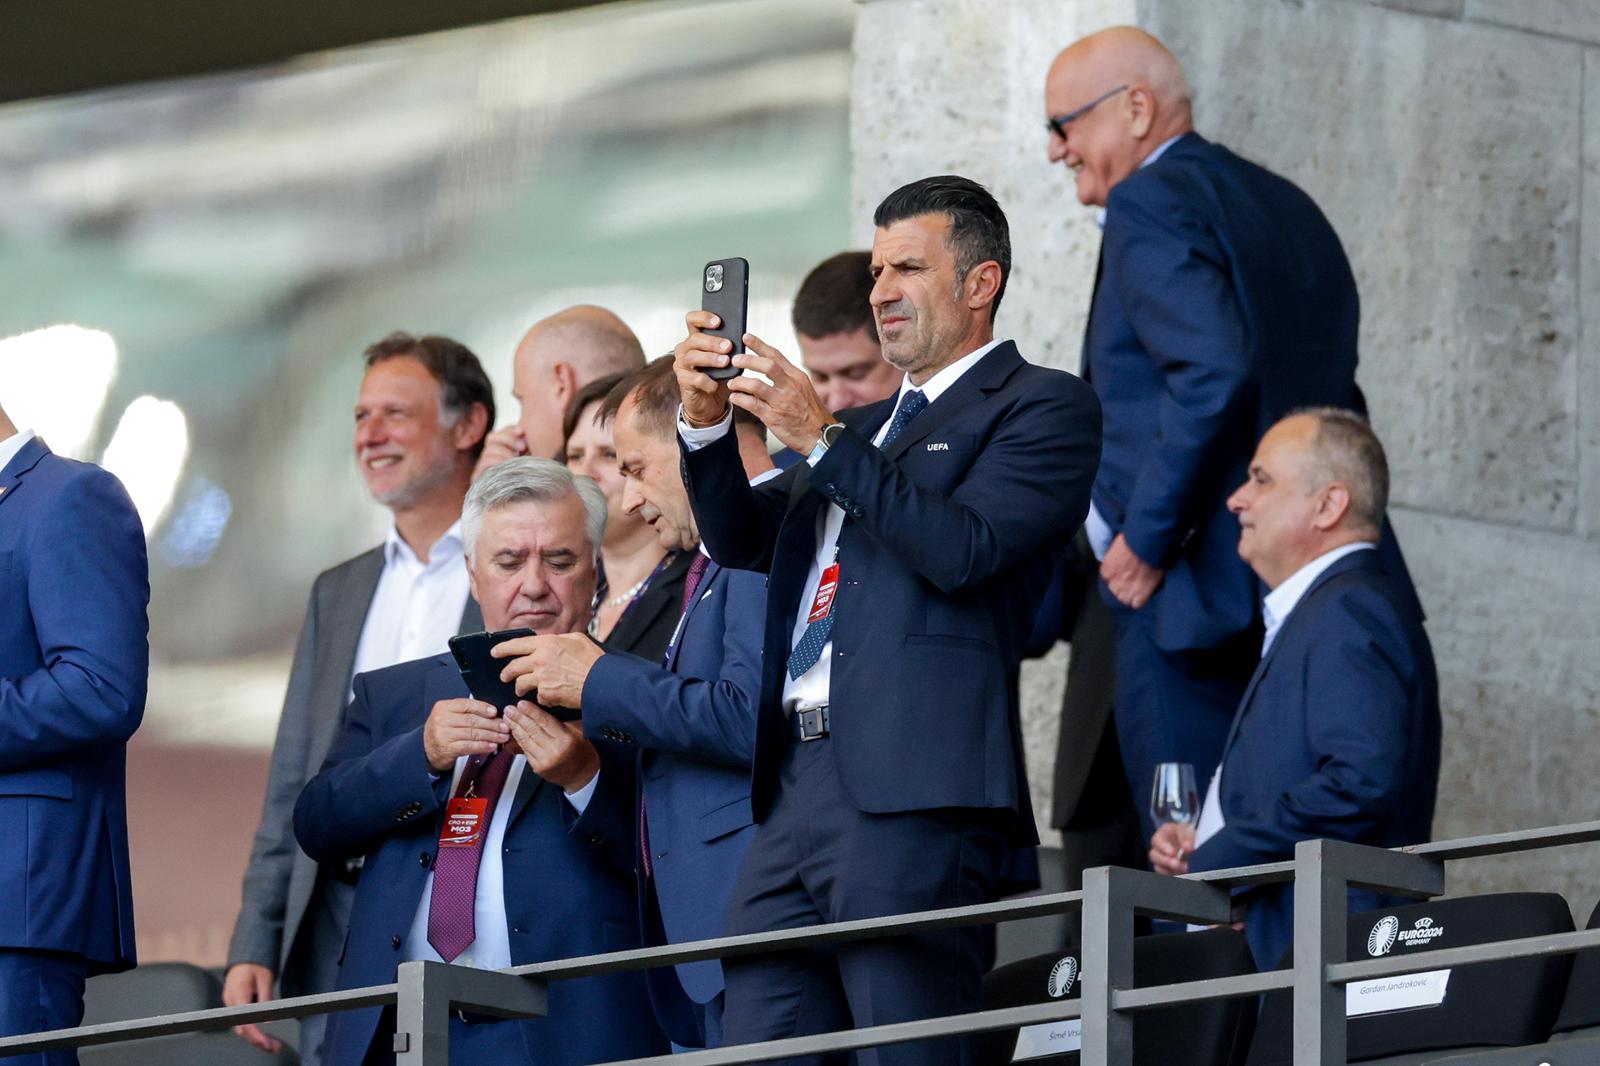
424, 409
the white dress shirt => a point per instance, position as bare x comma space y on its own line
417, 606
1275, 611
492, 948
12, 445
810, 689
1095, 526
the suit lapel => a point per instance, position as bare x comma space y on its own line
527, 788
351, 603
989, 374
1353, 561
703, 590
26, 459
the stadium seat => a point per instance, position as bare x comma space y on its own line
1488, 1005
1575, 1038
166, 988
1201, 1034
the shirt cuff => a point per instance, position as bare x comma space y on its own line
1099, 532
697, 437
580, 799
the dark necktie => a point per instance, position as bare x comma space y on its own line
451, 926
809, 648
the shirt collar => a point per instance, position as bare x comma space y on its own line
14, 444
1282, 600
1161, 150
449, 543
940, 383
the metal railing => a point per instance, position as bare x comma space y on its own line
1322, 871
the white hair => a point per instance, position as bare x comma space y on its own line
530, 479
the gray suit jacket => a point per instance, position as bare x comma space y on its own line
281, 883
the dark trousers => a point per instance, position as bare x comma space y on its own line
1173, 706
816, 859
40, 991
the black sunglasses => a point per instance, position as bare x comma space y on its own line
1058, 124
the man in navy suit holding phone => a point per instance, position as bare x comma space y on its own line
1223, 300
74, 663
489, 840
906, 557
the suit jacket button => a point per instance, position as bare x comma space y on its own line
594, 839
426, 858
395, 942
829, 489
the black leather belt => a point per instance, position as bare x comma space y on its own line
811, 724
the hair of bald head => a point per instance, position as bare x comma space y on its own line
592, 340
1127, 55
1345, 450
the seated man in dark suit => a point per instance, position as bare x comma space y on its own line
692, 713
538, 861
1338, 734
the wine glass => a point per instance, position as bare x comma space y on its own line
1173, 796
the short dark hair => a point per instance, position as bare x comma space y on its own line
1346, 450
978, 228
594, 392
658, 398
836, 297
462, 381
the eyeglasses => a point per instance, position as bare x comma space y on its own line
1058, 124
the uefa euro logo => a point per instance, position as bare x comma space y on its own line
1062, 974
1383, 936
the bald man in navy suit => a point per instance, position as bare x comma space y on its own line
1222, 301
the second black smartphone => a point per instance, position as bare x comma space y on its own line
481, 671
725, 292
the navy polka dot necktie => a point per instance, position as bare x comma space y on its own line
809, 649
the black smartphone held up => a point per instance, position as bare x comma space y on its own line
481, 671
725, 292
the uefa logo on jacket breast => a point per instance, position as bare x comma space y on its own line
1062, 976
1383, 936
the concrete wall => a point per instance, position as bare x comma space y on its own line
1448, 141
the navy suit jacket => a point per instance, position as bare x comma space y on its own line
1337, 738
568, 879
950, 542
695, 725
1224, 301
74, 662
